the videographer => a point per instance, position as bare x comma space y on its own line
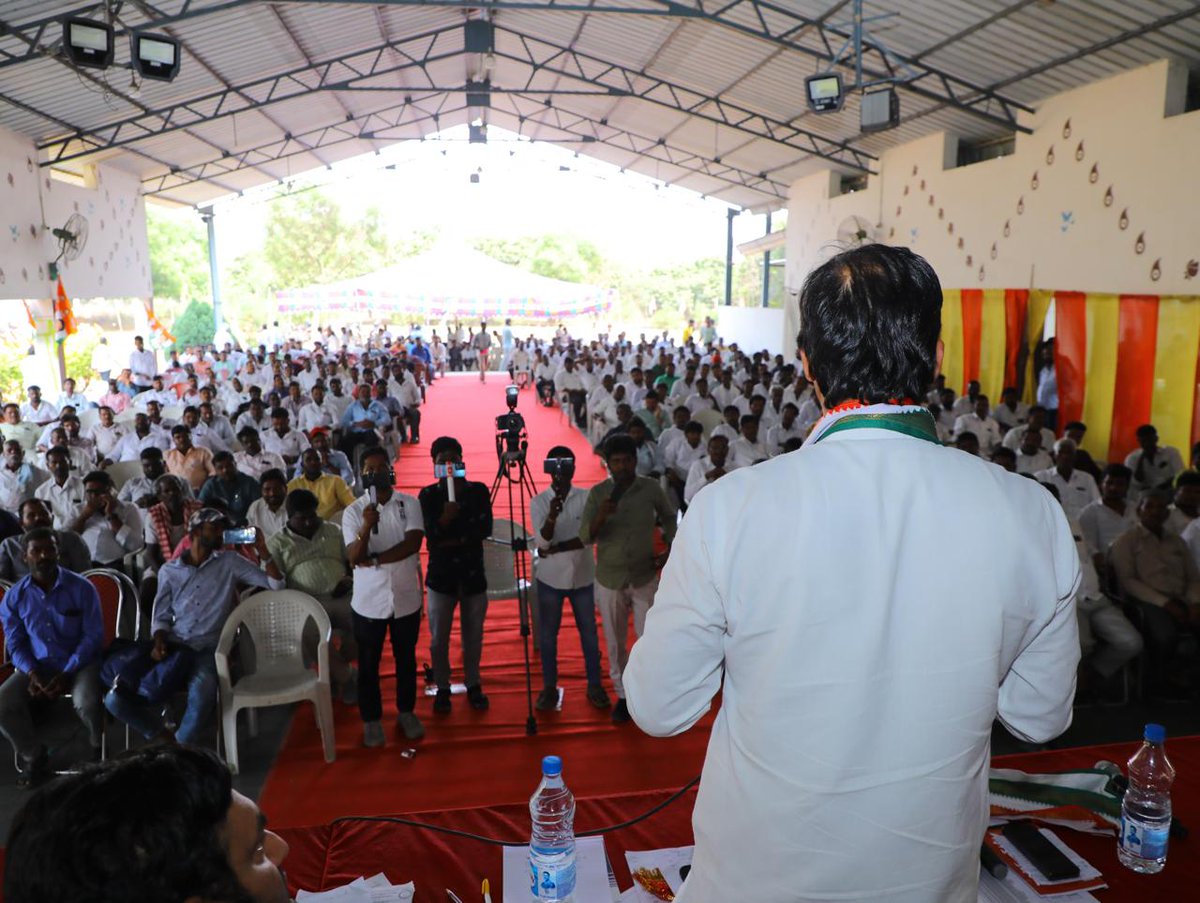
565, 569
619, 517
458, 518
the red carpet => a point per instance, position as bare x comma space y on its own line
468, 758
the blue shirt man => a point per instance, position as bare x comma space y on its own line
195, 595
54, 630
361, 419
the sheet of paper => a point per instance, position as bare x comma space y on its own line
376, 889
1012, 889
591, 873
669, 861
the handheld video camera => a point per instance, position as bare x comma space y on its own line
556, 466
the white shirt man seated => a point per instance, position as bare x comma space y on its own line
787, 428
979, 422
708, 469
1154, 466
1036, 421
1076, 489
1011, 411
1031, 457
747, 448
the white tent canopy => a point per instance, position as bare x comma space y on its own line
451, 281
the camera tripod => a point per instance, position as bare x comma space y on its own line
511, 446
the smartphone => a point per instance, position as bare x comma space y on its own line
242, 537
442, 471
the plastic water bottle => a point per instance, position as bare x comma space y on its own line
1146, 808
552, 846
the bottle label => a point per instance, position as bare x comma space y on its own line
551, 882
1142, 840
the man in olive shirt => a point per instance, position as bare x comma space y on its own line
619, 518
309, 554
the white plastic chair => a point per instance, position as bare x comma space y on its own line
500, 567
88, 417
709, 419
275, 623
173, 413
128, 415
121, 472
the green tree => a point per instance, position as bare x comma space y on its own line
195, 325
178, 256
555, 256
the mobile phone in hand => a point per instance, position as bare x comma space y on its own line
244, 536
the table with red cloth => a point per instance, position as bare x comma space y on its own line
330, 855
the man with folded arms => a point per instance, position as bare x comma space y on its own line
849, 759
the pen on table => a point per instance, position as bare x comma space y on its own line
454, 898
486, 889
992, 864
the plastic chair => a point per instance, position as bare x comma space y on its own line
121, 472
709, 419
275, 623
500, 567
88, 418
128, 415
173, 413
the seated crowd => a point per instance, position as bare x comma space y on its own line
268, 441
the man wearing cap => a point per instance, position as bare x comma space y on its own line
196, 591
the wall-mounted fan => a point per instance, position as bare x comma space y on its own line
72, 236
856, 231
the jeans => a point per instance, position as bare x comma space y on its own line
16, 708
441, 618
583, 606
412, 419
369, 633
146, 717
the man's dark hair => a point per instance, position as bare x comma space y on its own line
693, 426
1146, 430
871, 319
1075, 425
98, 476
273, 474
560, 451
28, 538
1117, 472
1187, 478
222, 456
60, 450
748, 419
1004, 452
279, 413
150, 451
301, 501
180, 428
375, 451
618, 445
147, 827
444, 444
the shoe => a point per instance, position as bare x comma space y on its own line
441, 702
620, 712
411, 725
349, 688
34, 770
373, 735
547, 700
475, 697
597, 697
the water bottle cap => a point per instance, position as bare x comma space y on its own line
1155, 733
551, 766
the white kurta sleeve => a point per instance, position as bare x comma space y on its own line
1037, 693
675, 669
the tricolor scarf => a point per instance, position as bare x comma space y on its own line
909, 419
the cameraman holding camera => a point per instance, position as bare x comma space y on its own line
565, 568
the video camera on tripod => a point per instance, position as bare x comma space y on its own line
511, 438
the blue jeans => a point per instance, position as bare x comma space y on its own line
550, 606
146, 717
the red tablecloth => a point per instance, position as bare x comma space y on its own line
330, 855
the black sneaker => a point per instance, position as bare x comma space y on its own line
35, 770
620, 712
547, 700
441, 702
597, 697
475, 697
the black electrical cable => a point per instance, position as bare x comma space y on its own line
397, 820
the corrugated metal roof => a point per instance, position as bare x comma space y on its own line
743, 66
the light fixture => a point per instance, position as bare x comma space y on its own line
88, 42
824, 92
155, 56
879, 110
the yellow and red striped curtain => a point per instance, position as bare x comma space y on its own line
1125, 360
1121, 360
983, 334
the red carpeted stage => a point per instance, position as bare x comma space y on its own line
468, 758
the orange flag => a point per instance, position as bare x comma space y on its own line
64, 315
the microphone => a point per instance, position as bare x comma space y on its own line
374, 501
450, 485
617, 492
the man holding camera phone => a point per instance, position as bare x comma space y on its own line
458, 518
565, 568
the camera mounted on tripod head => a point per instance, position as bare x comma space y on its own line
511, 438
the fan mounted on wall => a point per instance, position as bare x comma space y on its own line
72, 237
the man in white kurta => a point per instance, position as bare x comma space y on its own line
849, 758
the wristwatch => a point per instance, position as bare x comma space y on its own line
374, 558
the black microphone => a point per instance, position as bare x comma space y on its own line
618, 491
